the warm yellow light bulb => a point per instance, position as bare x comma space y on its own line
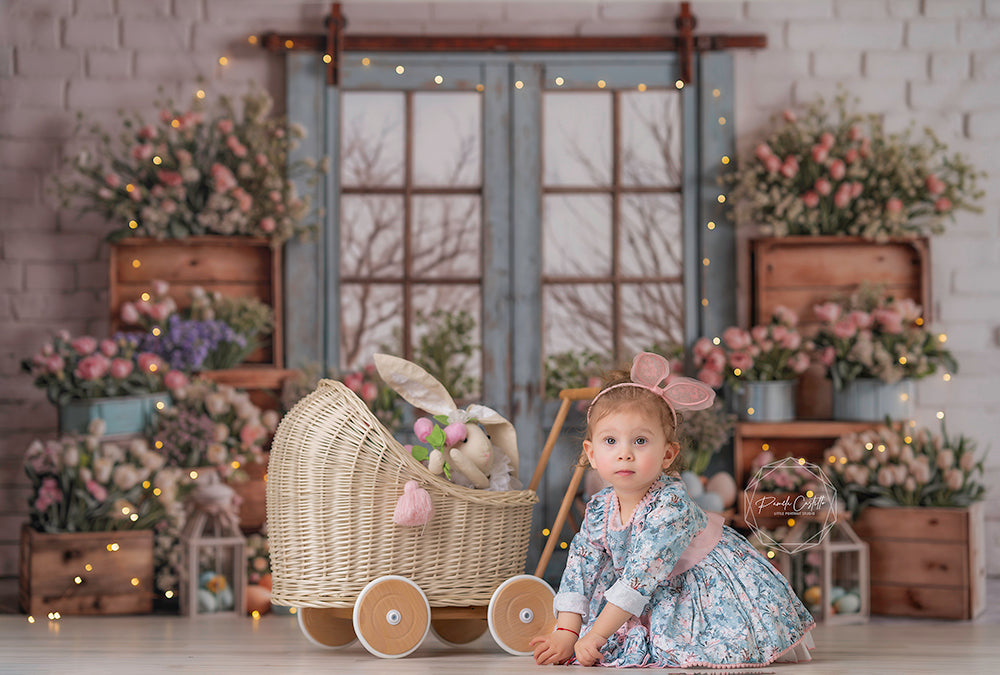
146, 484
158, 444
563, 544
809, 494
716, 341
869, 445
134, 517
129, 187
145, 296
641, 87
160, 405
832, 459
601, 84
679, 84
156, 331
157, 491
200, 93
560, 81
252, 39
722, 121
193, 475
711, 225
721, 199
289, 44
881, 447
77, 580
88, 567
31, 619
902, 360
400, 70
765, 447
545, 532
791, 522
802, 461
843, 460
134, 581
705, 262
157, 160
940, 414
770, 554
704, 302
153, 367
223, 61
750, 411
716, 93
366, 61
133, 225
737, 372
480, 87
255, 614
519, 85
919, 321
907, 439
327, 58
947, 377
168, 595
942, 338
235, 464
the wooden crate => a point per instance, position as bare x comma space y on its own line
119, 581
805, 439
233, 266
926, 562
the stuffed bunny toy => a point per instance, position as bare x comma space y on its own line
485, 455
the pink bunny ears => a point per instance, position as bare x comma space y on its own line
680, 393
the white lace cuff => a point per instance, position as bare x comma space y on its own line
572, 602
624, 596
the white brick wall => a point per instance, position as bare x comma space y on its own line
933, 62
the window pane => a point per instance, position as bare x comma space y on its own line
577, 138
576, 235
651, 138
577, 316
651, 244
652, 314
451, 298
447, 139
371, 320
446, 236
371, 139
371, 229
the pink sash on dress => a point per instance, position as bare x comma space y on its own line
700, 546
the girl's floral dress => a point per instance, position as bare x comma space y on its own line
723, 606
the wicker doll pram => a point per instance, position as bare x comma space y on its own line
334, 477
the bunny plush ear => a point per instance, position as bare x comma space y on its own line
685, 393
414, 384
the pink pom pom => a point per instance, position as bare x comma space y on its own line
423, 428
454, 433
414, 507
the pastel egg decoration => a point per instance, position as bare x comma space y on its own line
225, 599
848, 603
692, 482
207, 603
724, 485
812, 596
710, 501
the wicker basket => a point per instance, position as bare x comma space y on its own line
334, 477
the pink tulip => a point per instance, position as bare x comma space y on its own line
856, 189
827, 356
243, 199
168, 206
121, 368
763, 151
851, 156
710, 377
84, 345
455, 433
819, 153
108, 347
267, 224
92, 367
369, 392
129, 313
942, 204
838, 169
261, 159
842, 198
251, 433
823, 186
827, 140
235, 146
423, 427
861, 319
353, 381
175, 380
855, 133
890, 320
222, 177
934, 184
772, 164
736, 338
828, 311
790, 167
96, 490
844, 328
894, 205
183, 157
810, 199
169, 178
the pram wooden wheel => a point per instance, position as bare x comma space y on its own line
520, 609
326, 627
391, 616
458, 632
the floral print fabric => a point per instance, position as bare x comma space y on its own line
732, 608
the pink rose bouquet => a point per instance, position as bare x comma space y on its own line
775, 351
219, 170
86, 484
900, 465
868, 335
831, 171
84, 367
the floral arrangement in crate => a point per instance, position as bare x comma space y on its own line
214, 332
765, 353
870, 335
81, 484
221, 169
900, 465
212, 425
834, 171
72, 368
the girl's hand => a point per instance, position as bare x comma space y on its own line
588, 648
554, 648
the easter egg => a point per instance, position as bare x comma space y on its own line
813, 595
848, 603
225, 599
259, 599
265, 581
207, 602
205, 577
723, 485
835, 593
710, 502
693, 483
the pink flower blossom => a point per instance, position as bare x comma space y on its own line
121, 368
763, 151
894, 205
942, 204
84, 345
422, 428
369, 392
92, 367
146, 132
353, 381
149, 362
223, 178
819, 153
112, 179
701, 349
174, 380
827, 140
736, 338
96, 490
166, 115
183, 157
851, 156
48, 494
823, 186
169, 178
827, 356
890, 320
261, 159
773, 164
235, 146
790, 167
828, 311
129, 313
225, 126
842, 198
108, 347
54, 364
855, 133
142, 152
856, 189
934, 184
844, 328
161, 310
788, 115
716, 360
741, 360
799, 362
791, 340
267, 224
908, 308
861, 319
758, 333
710, 377
786, 316
810, 199
243, 199
866, 148
838, 169
105, 193
250, 434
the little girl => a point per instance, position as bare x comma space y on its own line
651, 580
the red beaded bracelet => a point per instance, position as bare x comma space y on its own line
568, 630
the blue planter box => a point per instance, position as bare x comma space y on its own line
122, 415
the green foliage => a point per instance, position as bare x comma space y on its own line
445, 347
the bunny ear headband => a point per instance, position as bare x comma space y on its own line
680, 393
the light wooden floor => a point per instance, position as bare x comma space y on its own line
153, 644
